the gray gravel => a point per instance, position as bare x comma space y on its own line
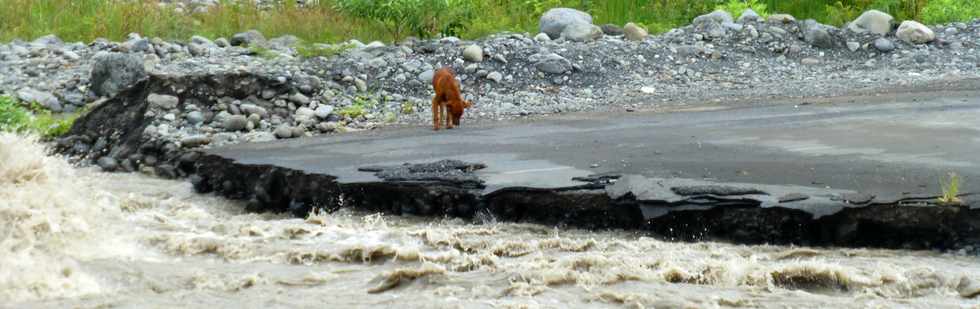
507, 75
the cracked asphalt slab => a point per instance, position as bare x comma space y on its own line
886, 150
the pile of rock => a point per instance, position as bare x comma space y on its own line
205, 93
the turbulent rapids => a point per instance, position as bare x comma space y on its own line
73, 237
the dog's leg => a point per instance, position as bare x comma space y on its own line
436, 109
448, 115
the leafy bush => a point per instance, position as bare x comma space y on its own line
15, 117
736, 7
840, 13
423, 18
352, 112
944, 11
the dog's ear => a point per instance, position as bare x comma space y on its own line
467, 104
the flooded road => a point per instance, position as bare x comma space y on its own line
78, 238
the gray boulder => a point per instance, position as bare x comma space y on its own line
138, 45
818, 34
749, 16
299, 98
426, 77
283, 42
50, 40
113, 72
872, 21
884, 45
163, 102
284, 131
222, 42
248, 38
781, 19
913, 32
195, 141
235, 123
253, 109
194, 117
495, 76
473, 53
201, 46
46, 99
323, 111
634, 32
610, 29
552, 63
717, 16
581, 32
554, 21
108, 164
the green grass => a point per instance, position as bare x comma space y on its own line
312, 50
263, 52
951, 190
367, 20
352, 112
30, 119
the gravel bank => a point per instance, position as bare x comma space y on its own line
259, 89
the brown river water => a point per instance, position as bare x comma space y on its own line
76, 238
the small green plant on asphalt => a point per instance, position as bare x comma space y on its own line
951, 190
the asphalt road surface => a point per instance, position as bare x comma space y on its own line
883, 146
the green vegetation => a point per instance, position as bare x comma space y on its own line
736, 7
392, 20
353, 111
951, 190
263, 52
359, 108
944, 11
16, 117
421, 18
308, 50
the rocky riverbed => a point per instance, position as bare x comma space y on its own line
202, 92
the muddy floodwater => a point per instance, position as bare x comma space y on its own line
76, 238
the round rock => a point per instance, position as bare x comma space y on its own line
913, 32
884, 45
235, 123
554, 21
873, 21
473, 53
634, 32
284, 131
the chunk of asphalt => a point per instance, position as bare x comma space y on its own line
856, 198
793, 197
719, 190
453, 172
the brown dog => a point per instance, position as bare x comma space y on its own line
448, 103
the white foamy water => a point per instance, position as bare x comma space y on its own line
82, 239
